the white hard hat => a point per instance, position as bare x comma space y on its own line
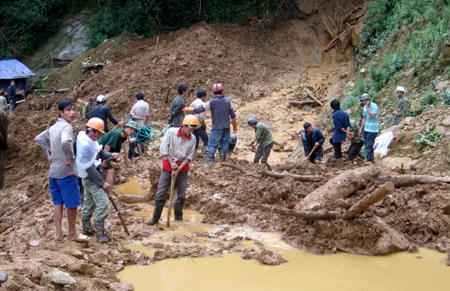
101, 98
401, 89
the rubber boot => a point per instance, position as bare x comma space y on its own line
178, 209
156, 214
209, 160
100, 233
204, 150
87, 227
223, 157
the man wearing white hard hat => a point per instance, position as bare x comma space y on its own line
402, 106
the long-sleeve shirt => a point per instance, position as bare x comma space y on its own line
200, 116
59, 139
317, 136
3, 103
221, 111
87, 109
263, 135
176, 147
3, 144
141, 109
401, 107
341, 120
103, 113
354, 128
11, 90
176, 111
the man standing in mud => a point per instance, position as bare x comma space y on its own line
263, 139
357, 141
221, 111
140, 112
369, 125
402, 106
88, 109
200, 131
178, 148
312, 140
341, 130
3, 145
57, 143
11, 90
176, 110
102, 111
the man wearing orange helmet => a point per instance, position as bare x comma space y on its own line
89, 153
178, 148
221, 111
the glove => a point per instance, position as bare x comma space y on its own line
187, 109
235, 127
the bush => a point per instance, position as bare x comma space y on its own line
446, 98
426, 137
429, 98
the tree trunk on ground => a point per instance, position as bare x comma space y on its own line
295, 177
339, 187
411, 180
367, 201
321, 214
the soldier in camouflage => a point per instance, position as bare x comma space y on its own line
357, 141
264, 140
96, 189
402, 106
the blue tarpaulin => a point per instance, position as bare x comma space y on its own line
13, 70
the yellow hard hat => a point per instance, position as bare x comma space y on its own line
190, 120
96, 123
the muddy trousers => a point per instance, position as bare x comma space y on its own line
263, 152
369, 141
94, 197
397, 119
201, 133
218, 138
354, 150
164, 186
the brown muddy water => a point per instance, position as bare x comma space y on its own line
425, 270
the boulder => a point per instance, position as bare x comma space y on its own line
356, 36
121, 287
416, 105
391, 240
62, 278
442, 85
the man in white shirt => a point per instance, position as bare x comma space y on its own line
140, 114
200, 130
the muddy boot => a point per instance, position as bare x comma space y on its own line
204, 150
222, 157
178, 209
100, 233
87, 227
209, 160
156, 214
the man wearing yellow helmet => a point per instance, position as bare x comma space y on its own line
178, 148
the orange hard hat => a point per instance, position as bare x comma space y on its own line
96, 123
190, 120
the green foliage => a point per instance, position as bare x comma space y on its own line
426, 137
446, 98
429, 98
382, 74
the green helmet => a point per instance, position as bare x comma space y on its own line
364, 96
132, 124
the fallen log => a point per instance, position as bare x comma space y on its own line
367, 201
302, 178
339, 187
411, 180
314, 98
238, 168
321, 214
302, 102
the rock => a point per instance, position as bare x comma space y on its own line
440, 130
416, 105
268, 257
351, 84
62, 278
390, 240
432, 144
442, 85
75, 253
84, 269
34, 243
3, 277
121, 287
98, 258
363, 71
46, 279
356, 36
446, 121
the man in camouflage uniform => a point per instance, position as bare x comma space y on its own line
402, 106
357, 141
90, 169
263, 139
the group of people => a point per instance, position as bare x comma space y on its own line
346, 128
90, 159
10, 99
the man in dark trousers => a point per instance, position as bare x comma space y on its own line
102, 111
221, 111
341, 130
11, 90
176, 110
200, 130
3, 144
313, 137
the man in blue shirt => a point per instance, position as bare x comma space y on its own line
312, 140
369, 125
341, 130
102, 111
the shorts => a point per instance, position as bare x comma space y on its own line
108, 165
65, 191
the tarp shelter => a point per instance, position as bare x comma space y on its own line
14, 70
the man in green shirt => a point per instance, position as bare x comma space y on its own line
88, 108
357, 141
264, 140
402, 106
112, 142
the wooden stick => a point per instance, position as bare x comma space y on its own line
327, 29
238, 168
310, 153
302, 102
411, 180
321, 214
314, 98
310, 178
167, 96
170, 200
367, 201
333, 23
9, 213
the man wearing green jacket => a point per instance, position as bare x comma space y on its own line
263, 139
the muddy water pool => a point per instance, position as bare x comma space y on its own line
425, 270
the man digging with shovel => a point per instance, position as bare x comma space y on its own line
178, 148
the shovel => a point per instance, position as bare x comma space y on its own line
118, 213
311, 152
170, 201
